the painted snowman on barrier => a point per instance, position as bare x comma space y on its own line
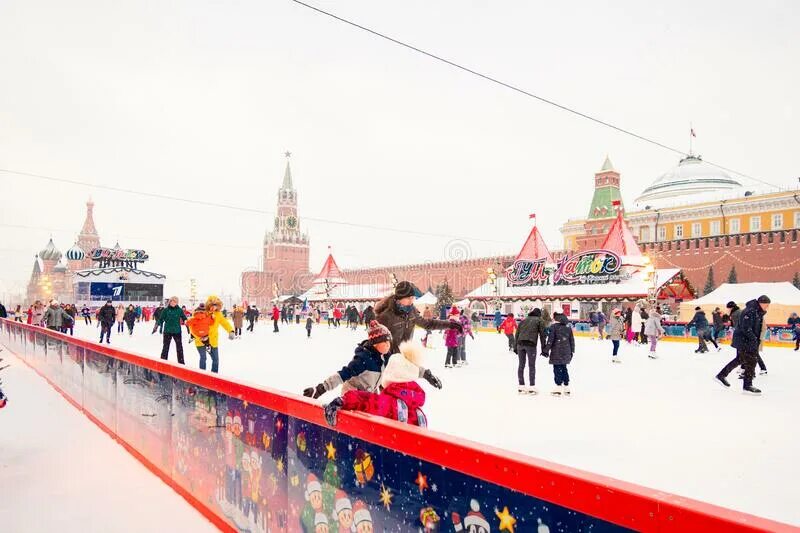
474, 522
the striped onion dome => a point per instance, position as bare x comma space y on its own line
75, 253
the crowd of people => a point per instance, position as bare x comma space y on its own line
392, 321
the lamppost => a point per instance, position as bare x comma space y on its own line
651, 279
492, 280
193, 292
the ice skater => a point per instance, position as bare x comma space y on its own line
616, 333
105, 318
364, 371
130, 318
120, 317
561, 348
204, 325
309, 325
746, 340
466, 326
509, 327
529, 333
654, 330
700, 323
170, 321
451, 342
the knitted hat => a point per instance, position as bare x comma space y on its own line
312, 485
475, 517
378, 333
405, 289
454, 311
341, 502
361, 513
320, 518
201, 306
764, 299
730, 305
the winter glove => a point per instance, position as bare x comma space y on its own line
332, 409
314, 392
456, 325
433, 380
231, 335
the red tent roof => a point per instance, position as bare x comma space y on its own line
534, 248
620, 239
330, 271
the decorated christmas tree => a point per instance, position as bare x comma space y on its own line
331, 483
732, 275
709, 281
444, 296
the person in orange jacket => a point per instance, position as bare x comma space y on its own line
509, 327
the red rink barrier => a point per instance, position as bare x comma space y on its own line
254, 459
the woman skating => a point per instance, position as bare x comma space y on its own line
616, 333
653, 330
130, 318
561, 348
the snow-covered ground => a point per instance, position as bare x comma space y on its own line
661, 423
60, 472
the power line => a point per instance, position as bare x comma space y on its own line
520, 90
241, 208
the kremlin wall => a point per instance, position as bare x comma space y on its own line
692, 217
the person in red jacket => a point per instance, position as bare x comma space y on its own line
337, 317
276, 315
509, 327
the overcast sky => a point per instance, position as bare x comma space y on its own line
199, 99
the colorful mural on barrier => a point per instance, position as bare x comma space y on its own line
259, 470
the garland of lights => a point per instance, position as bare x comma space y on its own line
721, 257
97, 272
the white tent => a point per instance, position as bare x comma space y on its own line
785, 299
426, 299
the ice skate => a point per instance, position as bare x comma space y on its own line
557, 391
652, 355
532, 390
566, 391
763, 372
615, 359
722, 380
751, 390
448, 365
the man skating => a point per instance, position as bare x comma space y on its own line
106, 316
746, 339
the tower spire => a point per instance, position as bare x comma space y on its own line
287, 176
88, 223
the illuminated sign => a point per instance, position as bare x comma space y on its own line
594, 266
110, 255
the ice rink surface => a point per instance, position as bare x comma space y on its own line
665, 423
60, 472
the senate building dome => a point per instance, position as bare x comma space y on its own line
692, 177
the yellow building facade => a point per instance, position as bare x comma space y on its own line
695, 200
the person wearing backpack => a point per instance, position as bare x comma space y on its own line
204, 325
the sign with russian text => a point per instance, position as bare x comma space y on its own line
109, 255
594, 266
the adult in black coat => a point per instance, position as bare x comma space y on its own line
3, 312
529, 332
106, 315
746, 340
561, 347
700, 323
369, 315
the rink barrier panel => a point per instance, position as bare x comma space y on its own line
601, 502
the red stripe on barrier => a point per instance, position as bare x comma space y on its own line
619, 502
